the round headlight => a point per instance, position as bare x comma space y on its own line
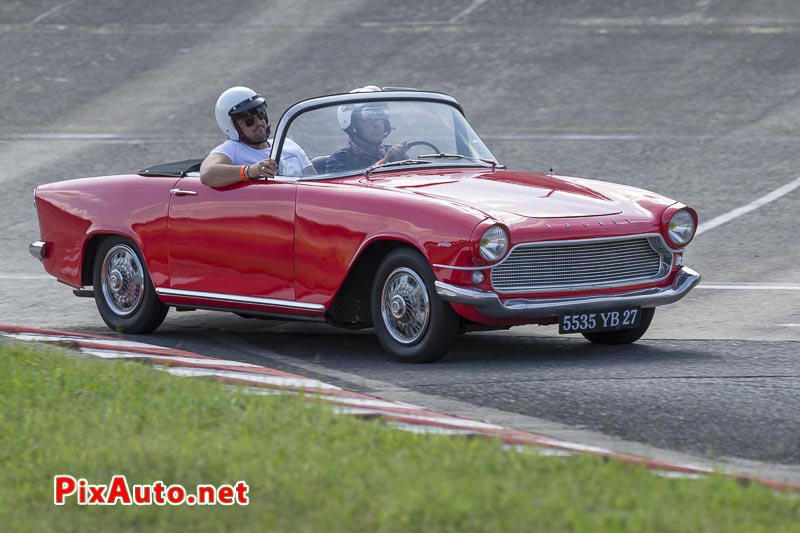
681, 227
494, 243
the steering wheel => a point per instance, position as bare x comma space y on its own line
412, 144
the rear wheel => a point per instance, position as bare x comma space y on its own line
123, 292
411, 321
624, 336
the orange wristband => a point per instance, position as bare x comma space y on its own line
243, 172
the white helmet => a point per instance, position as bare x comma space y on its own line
232, 102
368, 110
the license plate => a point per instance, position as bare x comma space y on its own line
590, 322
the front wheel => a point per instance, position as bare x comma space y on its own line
123, 292
624, 336
411, 321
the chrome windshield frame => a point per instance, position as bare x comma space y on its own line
339, 99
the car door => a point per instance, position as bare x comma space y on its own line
232, 242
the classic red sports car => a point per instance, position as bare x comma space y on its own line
440, 240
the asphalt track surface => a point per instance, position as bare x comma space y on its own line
697, 100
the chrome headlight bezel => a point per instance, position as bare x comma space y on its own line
493, 244
681, 228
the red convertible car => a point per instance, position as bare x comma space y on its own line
441, 240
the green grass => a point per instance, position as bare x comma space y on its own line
311, 470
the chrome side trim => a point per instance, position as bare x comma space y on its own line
37, 249
276, 315
236, 299
492, 306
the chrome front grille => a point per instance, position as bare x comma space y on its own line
596, 263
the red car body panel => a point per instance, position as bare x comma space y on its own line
72, 212
298, 240
238, 241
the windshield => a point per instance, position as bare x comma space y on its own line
383, 135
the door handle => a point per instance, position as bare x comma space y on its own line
181, 192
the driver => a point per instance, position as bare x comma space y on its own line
366, 125
241, 114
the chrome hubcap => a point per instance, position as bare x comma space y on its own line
115, 280
122, 278
405, 307
398, 307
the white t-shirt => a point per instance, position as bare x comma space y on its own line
293, 158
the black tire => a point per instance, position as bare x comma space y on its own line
123, 292
624, 336
411, 321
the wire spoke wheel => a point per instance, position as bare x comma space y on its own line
411, 321
123, 291
405, 306
123, 279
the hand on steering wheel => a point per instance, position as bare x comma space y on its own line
396, 152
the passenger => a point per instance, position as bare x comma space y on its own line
241, 114
366, 126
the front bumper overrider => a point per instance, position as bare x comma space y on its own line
492, 306
38, 250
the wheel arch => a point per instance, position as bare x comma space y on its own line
93, 243
351, 305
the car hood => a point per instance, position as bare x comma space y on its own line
531, 195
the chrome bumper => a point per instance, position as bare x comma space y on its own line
37, 249
492, 306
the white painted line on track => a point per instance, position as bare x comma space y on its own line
374, 403
411, 428
448, 421
95, 137
113, 354
751, 286
51, 11
75, 338
752, 206
625, 137
677, 475
475, 5
254, 378
34, 337
368, 402
546, 441
545, 452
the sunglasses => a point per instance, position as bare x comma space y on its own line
250, 119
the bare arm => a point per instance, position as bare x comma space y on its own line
218, 171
